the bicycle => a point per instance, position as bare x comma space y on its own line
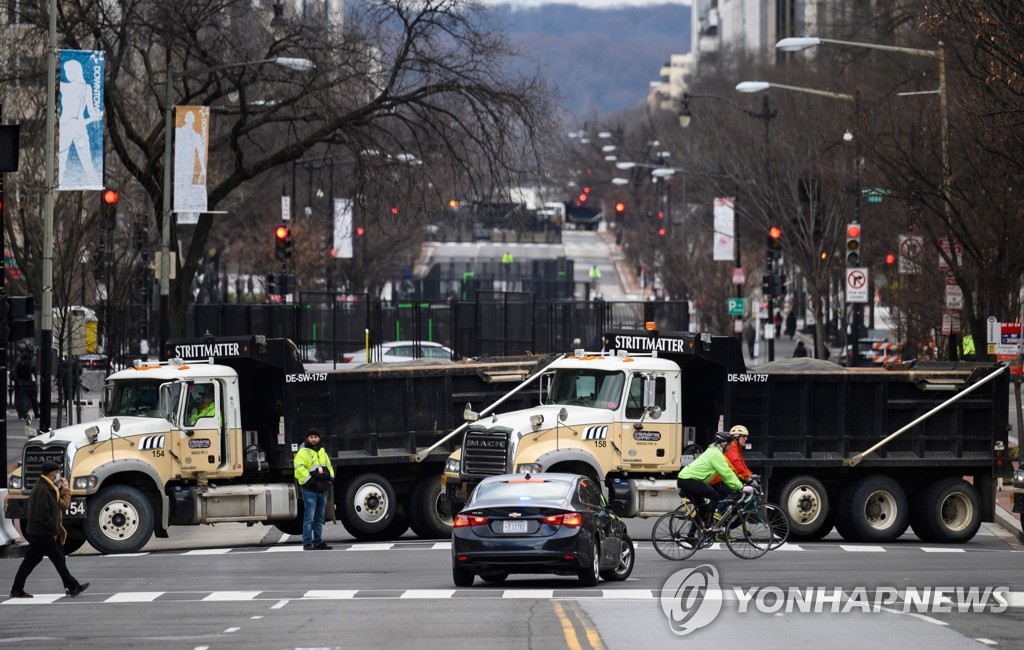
679, 534
776, 516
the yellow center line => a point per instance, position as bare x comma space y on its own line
566, 615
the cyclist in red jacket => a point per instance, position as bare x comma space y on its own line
734, 454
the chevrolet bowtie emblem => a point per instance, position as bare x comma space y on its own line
515, 514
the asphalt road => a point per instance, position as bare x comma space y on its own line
274, 595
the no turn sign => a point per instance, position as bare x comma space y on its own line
857, 288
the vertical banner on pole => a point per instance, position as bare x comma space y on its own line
725, 230
80, 144
191, 153
343, 228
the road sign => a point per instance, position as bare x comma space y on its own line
944, 244
950, 323
737, 306
739, 276
857, 287
954, 295
910, 253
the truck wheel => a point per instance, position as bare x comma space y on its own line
369, 505
805, 501
873, 509
430, 515
119, 520
946, 511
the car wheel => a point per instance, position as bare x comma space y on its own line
627, 558
462, 577
590, 574
494, 578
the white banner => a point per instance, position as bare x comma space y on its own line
80, 147
191, 152
725, 230
342, 244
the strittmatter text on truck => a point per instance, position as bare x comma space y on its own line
868, 451
155, 460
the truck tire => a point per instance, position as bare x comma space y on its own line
429, 513
947, 511
805, 501
119, 520
369, 506
873, 509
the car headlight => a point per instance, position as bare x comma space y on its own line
15, 483
453, 465
529, 468
85, 482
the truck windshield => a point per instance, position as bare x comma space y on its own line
138, 399
593, 388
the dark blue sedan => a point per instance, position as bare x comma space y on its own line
544, 523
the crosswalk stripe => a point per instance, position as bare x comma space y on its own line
135, 597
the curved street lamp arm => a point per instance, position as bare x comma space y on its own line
766, 112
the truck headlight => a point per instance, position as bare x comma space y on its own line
529, 468
85, 483
453, 466
1018, 478
15, 483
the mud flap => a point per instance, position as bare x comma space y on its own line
1018, 501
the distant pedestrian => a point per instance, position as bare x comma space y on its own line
800, 351
791, 324
25, 387
315, 474
777, 321
749, 336
50, 496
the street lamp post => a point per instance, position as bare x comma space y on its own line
797, 44
766, 114
292, 63
758, 86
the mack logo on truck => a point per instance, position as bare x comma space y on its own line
207, 350
489, 444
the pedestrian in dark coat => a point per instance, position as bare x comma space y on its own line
50, 496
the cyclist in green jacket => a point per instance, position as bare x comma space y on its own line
693, 480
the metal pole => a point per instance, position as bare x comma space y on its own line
766, 115
943, 109
165, 231
46, 316
858, 309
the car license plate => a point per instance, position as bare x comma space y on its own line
509, 526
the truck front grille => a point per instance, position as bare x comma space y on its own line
485, 453
33, 459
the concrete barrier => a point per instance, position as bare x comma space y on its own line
8, 534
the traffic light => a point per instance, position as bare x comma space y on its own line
394, 210
282, 243
853, 244
19, 312
360, 231
766, 284
109, 209
620, 211
99, 261
773, 244
778, 285
890, 258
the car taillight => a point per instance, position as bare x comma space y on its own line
347, 359
469, 520
567, 519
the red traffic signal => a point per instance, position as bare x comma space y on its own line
853, 230
360, 231
281, 232
620, 207
890, 258
662, 231
394, 210
110, 197
775, 232
582, 198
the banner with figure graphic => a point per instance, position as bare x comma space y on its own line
80, 146
191, 150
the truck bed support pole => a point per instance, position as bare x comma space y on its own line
857, 458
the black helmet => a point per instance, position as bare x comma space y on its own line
723, 437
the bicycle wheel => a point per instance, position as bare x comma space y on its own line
779, 522
751, 539
675, 536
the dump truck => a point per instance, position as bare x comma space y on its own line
868, 451
152, 462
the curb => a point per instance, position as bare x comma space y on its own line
1010, 522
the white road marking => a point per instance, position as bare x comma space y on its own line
330, 594
135, 597
231, 629
427, 593
862, 549
208, 551
231, 595
529, 593
939, 549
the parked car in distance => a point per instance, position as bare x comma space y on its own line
400, 352
541, 523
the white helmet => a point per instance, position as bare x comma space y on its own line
739, 430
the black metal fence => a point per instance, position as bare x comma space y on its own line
326, 325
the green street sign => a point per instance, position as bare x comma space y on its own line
737, 306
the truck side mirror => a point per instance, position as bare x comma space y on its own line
469, 415
563, 414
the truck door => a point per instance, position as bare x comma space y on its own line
202, 427
649, 439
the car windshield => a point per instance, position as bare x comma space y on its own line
595, 388
520, 490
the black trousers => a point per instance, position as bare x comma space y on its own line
40, 546
697, 492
